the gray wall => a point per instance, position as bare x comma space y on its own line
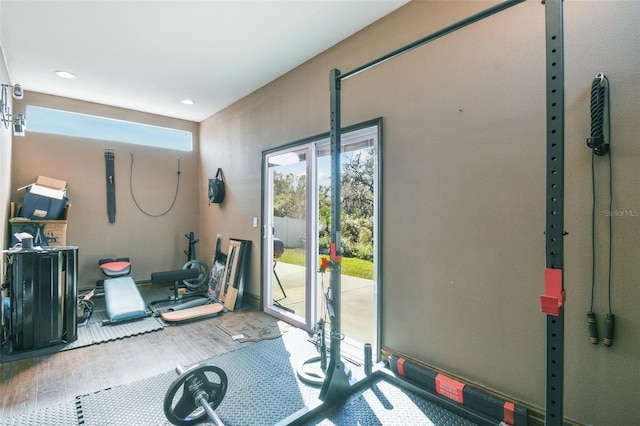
464, 189
153, 244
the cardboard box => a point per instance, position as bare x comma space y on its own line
45, 199
54, 232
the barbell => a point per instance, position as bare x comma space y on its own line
195, 394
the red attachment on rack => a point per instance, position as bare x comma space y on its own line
332, 253
400, 366
324, 262
509, 408
450, 388
553, 299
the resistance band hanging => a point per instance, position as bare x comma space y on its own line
600, 147
175, 195
109, 160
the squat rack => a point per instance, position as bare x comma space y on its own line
336, 385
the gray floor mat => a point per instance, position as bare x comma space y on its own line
263, 389
386, 404
104, 333
260, 375
63, 414
93, 332
138, 403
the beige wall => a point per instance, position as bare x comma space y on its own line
5, 155
464, 164
464, 189
153, 244
5, 161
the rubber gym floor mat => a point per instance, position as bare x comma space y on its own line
138, 403
386, 404
85, 338
101, 334
262, 388
93, 332
63, 414
105, 333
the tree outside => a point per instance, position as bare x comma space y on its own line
357, 204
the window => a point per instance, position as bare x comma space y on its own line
58, 122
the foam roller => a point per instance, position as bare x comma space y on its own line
173, 276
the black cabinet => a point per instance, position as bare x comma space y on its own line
42, 290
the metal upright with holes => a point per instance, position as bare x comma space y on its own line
335, 382
553, 301
554, 232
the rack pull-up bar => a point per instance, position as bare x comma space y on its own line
336, 383
444, 31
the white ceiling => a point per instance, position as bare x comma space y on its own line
149, 55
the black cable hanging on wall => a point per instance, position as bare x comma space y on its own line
600, 147
175, 196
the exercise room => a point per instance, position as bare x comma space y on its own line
387, 212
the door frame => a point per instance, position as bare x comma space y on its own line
266, 291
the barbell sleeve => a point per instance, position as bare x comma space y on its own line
202, 400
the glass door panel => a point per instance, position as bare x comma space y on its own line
297, 235
287, 203
358, 207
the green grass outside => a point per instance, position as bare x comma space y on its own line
350, 266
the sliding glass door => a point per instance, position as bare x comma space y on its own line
296, 233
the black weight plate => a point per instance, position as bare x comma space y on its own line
202, 278
180, 406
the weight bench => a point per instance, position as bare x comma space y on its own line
122, 297
125, 303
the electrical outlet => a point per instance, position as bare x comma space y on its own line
255, 222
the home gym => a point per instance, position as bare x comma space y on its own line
504, 244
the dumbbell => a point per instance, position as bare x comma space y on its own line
202, 390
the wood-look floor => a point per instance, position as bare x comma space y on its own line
47, 380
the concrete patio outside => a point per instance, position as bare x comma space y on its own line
357, 316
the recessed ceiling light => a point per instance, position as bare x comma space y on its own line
188, 101
65, 74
